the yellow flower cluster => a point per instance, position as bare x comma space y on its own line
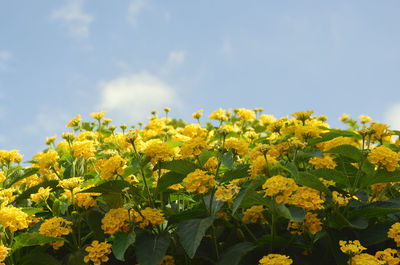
325, 146
226, 193
82, 199
48, 161
98, 115
149, 216
384, 156
2, 177
323, 162
381, 132
3, 253
115, 221
280, 187
193, 147
75, 121
307, 132
307, 198
340, 199
199, 181
167, 260
158, 151
83, 149
303, 116
351, 247
246, 114
70, 183
394, 233
219, 114
7, 196
97, 252
9, 157
311, 224
13, 218
41, 195
388, 256
112, 167
365, 259
238, 146
275, 259
56, 227
254, 214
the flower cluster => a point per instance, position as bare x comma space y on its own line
56, 227
280, 187
115, 220
97, 252
149, 216
13, 218
384, 156
199, 181
276, 259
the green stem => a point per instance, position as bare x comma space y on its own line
215, 242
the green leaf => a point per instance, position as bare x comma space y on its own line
121, 243
242, 171
112, 186
151, 249
38, 259
179, 166
282, 210
381, 176
18, 175
205, 155
247, 190
331, 174
297, 214
216, 205
234, 254
33, 239
93, 219
333, 134
309, 180
293, 170
168, 179
346, 150
26, 194
226, 159
191, 232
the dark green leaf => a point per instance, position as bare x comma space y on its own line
38, 259
234, 254
226, 159
298, 214
241, 171
381, 176
33, 239
333, 134
168, 179
330, 174
93, 219
191, 232
179, 166
346, 150
18, 175
121, 243
112, 186
150, 249
309, 180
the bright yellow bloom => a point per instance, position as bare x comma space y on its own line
238, 146
12, 156
149, 216
115, 220
267, 119
325, 146
75, 121
365, 259
381, 132
97, 252
112, 167
7, 196
258, 165
312, 223
70, 183
158, 150
351, 247
307, 198
219, 114
275, 259
394, 233
246, 114
254, 214
365, 119
384, 156
56, 227
13, 218
344, 117
340, 199
307, 132
48, 161
388, 256
197, 115
84, 148
2, 177
98, 115
51, 139
280, 187
41, 195
323, 162
303, 116
226, 193
211, 164
199, 181
193, 146
3, 253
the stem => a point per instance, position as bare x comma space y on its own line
215, 242
273, 230
383, 191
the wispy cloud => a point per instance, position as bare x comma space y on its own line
176, 57
226, 48
132, 97
74, 18
392, 116
134, 10
47, 122
5, 56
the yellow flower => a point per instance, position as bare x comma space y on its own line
238, 146
12, 156
258, 165
325, 146
307, 198
219, 114
70, 183
2, 177
267, 119
158, 151
344, 117
56, 227
98, 115
197, 115
115, 220
381, 132
323, 162
364, 119
199, 181
226, 193
112, 167
312, 223
83, 148
303, 116
3, 253
254, 214
388, 256
384, 156
280, 187
193, 146
275, 259
51, 139
351, 247
75, 121
6, 196
340, 199
307, 132
13, 218
246, 114
167, 260
97, 252
48, 161
41, 195
394, 233
149, 216
365, 259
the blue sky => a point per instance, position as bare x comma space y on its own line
61, 58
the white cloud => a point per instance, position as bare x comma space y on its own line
133, 97
392, 116
75, 19
226, 48
5, 56
134, 9
176, 57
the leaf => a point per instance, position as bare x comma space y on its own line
346, 150
150, 249
309, 180
112, 186
168, 179
179, 166
33, 239
226, 159
242, 171
234, 254
191, 232
330, 174
38, 259
297, 214
381, 176
18, 175
121, 243
293, 170
333, 134
205, 155
247, 189
216, 205
26, 194
93, 219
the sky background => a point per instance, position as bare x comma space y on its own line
63, 58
